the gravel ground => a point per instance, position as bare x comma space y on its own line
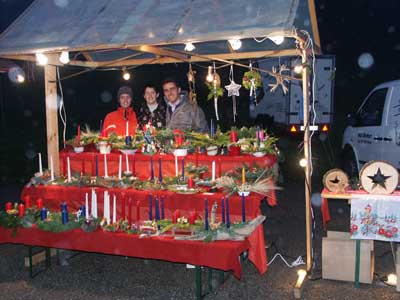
94, 276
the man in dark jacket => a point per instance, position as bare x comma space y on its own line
152, 111
181, 114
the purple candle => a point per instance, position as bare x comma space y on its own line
223, 209
159, 170
151, 169
243, 209
206, 214
150, 207
228, 219
157, 210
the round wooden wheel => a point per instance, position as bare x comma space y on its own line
336, 180
379, 177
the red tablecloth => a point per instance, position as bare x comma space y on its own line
221, 255
140, 163
127, 199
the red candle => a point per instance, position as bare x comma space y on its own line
39, 203
27, 201
138, 210
175, 216
8, 206
129, 210
21, 210
192, 217
123, 205
190, 183
78, 137
234, 137
179, 140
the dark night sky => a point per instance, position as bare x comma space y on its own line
347, 29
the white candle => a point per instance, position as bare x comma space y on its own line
106, 207
127, 163
114, 218
94, 204
40, 164
69, 169
105, 166
127, 128
87, 207
176, 166
213, 171
120, 167
51, 168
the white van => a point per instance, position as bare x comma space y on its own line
373, 132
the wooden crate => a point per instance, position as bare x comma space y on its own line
339, 257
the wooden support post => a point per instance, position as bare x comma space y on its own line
306, 118
357, 265
50, 81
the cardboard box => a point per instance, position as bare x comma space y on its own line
339, 258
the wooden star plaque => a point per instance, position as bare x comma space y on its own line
379, 177
335, 180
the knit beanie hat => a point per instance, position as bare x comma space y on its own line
124, 90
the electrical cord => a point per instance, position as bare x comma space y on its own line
62, 112
298, 262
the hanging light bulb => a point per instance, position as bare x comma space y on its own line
41, 59
20, 78
210, 76
277, 39
303, 162
189, 47
298, 69
126, 75
64, 57
235, 44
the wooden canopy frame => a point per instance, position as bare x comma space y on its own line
165, 55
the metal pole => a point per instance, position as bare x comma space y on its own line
307, 156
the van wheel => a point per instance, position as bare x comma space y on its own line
350, 164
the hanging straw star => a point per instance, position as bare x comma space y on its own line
280, 79
233, 91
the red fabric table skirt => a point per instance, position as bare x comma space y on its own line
221, 255
140, 163
131, 202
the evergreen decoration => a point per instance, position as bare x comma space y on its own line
53, 223
249, 76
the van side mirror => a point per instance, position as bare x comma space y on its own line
351, 119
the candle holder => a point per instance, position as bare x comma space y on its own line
212, 150
79, 149
104, 147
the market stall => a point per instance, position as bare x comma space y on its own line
125, 34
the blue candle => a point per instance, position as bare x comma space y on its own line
159, 170
150, 207
157, 210
228, 219
83, 210
128, 140
258, 134
162, 208
183, 168
63, 206
97, 166
43, 214
243, 209
64, 216
206, 214
223, 209
151, 168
